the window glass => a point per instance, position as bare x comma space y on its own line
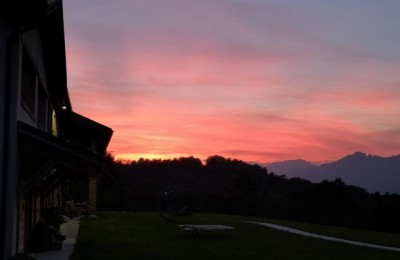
28, 85
42, 109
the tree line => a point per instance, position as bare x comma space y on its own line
224, 185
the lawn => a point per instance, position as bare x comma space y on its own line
118, 235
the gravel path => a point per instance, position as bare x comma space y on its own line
335, 239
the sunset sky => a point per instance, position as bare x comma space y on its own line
256, 80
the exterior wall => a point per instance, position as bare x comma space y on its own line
25, 217
12, 148
3, 68
92, 193
10, 63
13, 219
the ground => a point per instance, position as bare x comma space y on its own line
126, 235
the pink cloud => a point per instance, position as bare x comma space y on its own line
236, 82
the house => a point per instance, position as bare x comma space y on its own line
48, 153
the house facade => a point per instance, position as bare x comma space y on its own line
49, 154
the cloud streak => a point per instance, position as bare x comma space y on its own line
254, 80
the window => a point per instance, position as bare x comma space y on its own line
42, 114
28, 86
54, 126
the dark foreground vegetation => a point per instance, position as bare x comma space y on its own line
234, 187
147, 236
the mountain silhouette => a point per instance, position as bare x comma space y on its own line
374, 173
289, 167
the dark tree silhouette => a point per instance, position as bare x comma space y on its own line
232, 186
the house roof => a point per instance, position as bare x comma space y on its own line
83, 129
23, 13
41, 152
33, 138
48, 17
52, 31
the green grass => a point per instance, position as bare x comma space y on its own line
147, 236
379, 238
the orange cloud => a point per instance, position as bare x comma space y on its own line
258, 88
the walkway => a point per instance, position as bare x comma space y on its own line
70, 230
335, 239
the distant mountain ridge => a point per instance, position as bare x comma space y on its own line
374, 173
289, 166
